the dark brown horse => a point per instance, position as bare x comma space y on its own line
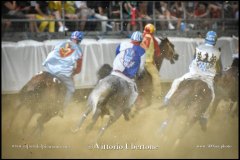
226, 88
193, 97
113, 101
144, 84
43, 94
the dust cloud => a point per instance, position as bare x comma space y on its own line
137, 138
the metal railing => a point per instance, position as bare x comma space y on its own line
220, 24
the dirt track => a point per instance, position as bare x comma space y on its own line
124, 139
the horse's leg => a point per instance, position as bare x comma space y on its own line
143, 101
94, 120
187, 126
126, 113
214, 107
83, 117
14, 114
44, 118
163, 126
110, 121
177, 101
27, 120
145, 92
167, 125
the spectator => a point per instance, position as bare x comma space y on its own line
56, 9
162, 12
202, 12
10, 11
93, 10
83, 12
143, 14
130, 13
42, 13
115, 14
177, 12
102, 13
28, 9
20, 10
215, 12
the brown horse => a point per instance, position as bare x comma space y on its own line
113, 101
43, 94
226, 88
144, 84
193, 97
190, 99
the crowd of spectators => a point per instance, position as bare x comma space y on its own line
107, 15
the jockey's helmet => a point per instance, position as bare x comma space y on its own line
149, 28
77, 35
136, 36
211, 38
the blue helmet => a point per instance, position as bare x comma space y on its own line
77, 35
136, 36
211, 38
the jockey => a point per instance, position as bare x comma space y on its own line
205, 65
128, 56
152, 49
61, 62
129, 61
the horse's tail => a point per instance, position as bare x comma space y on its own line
104, 71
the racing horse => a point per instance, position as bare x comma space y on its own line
144, 84
193, 97
43, 94
113, 101
191, 100
226, 88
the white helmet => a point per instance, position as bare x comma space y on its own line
211, 38
136, 36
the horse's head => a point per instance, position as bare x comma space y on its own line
167, 50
